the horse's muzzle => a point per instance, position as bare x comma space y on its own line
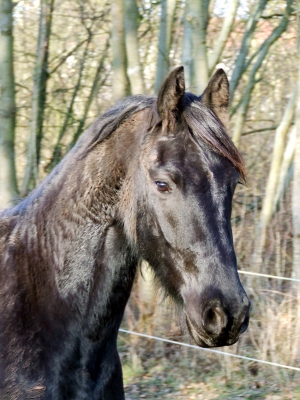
212, 323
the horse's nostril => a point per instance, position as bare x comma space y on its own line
245, 323
245, 315
214, 320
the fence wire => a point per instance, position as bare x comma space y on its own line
209, 350
268, 276
218, 351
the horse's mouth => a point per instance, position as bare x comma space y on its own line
197, 337
205, 341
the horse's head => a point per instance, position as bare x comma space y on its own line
185, 181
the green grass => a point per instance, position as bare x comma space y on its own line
174, 379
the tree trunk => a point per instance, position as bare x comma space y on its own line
187, 51
8, 180
119, 64
164, 41
286, 170
196, 63
134, 70
38, 98
296, 182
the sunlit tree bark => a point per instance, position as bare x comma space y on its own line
286, 170
273, 177
134, 70
195, 53
8, 181
119, 62
215, 55
187, 51
296, 181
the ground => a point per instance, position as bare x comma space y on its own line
172, 373
172, 384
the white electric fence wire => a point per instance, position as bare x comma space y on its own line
268, 276
210, 350
218, 351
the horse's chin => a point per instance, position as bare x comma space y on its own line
207, 342
196, 336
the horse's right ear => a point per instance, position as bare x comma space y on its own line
216, 96
169, 96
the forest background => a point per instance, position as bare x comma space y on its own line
64, 62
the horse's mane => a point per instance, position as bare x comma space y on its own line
202, 123
114, 117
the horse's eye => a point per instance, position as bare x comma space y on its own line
162, 186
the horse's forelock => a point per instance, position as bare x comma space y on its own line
207, 128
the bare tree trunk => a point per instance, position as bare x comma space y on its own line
187, 51
199, 44
196, 63
134, 70
8, 180
273, 178
286, 170
119, 63
296, 182
165, 40
228, 21
38, 98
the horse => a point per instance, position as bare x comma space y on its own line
151, 179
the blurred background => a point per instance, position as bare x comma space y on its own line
64, 62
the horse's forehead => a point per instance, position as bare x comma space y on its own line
179, 150
182, 153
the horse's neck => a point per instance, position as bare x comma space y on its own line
69, 233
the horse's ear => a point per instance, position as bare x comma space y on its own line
216, 96
169, 96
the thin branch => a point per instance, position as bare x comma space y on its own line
271, 128
93, 91
56, 152
264, 48
64, 58
248, 34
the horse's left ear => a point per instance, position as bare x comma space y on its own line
169, 96
216, 96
